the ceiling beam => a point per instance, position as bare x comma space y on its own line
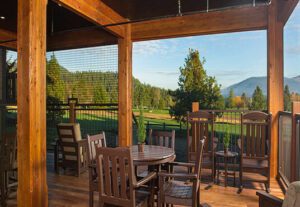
79, 39
97, 12
231, 20
9, 36
286, 9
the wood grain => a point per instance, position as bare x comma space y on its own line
125, 88
275, 78
32, 179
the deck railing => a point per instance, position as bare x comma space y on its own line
298, 146
284, 143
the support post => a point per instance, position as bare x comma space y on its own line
295, 110
275, 79
31, 101
125, 88
195, 108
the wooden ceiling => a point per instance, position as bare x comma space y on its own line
63, 25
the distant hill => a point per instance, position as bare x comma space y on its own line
249, 85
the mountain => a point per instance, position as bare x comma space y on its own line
248, 86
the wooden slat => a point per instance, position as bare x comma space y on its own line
275, 78
125, 89
248, 139
107, 174
98, 12
295, 110
32, 180
263, 140
231, 20
115, 177
258, 140
122, 167
253, 139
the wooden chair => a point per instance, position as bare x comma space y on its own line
255, 145
8, 167
117, 182
201, 124
162, 138
172, 191
94, 142
73, 147
291, 199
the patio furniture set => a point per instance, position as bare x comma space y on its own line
113, 172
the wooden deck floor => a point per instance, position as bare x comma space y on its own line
70, 191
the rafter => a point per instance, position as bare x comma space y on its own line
286, 9
231, 20
96, 11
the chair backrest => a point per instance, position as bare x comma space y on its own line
200, 124
255, 135
162, 138
69, 134
116, 176
95, 141
198, 164
292, 196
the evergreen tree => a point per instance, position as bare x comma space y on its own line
55, 84
245, 100
230, 99
195, 85
287, 98
100, 95
258, 100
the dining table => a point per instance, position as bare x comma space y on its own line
152, 155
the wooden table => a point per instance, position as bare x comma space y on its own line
226, 156
152, 155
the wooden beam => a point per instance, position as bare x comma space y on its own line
231, 20
79, 39
6, 35
275, 79
285, 9
125, 88
98, 12
32, 179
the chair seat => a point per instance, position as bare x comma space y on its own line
258, 164
178, 192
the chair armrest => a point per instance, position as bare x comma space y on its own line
145, 180
267, 200
82, 143
177, 175
183, 164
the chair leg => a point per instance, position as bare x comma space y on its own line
91, 198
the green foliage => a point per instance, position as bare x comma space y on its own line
230, 99
55, 84
55, 115
258, 100
100, 94
245, 100
226, 139
287, 99
141, 127
195, 85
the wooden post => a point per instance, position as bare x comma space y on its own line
32, 179
125, 88
275, 78
72, 109
195, 108
295, 110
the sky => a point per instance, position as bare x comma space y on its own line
230, 57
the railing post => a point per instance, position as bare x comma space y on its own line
72, 109
295, 110
195, 107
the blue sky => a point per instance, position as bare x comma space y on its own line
230, 57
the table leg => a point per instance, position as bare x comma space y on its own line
56, 158
218, 172
225, 162
234, 165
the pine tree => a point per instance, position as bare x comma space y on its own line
245, 100
230, 99
287, 98
258, 100
195, 85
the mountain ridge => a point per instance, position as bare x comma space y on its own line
248, 85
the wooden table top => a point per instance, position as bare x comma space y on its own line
152, 153
228, 154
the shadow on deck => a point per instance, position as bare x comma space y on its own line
69, 191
